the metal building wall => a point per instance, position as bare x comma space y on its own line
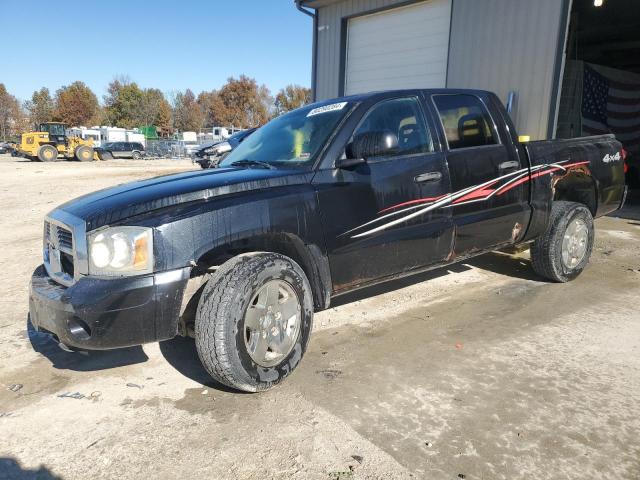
505, 45
497, 45
330, 41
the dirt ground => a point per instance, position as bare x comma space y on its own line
478, 371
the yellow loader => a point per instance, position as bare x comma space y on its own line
51, 140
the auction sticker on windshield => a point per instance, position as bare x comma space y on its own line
327, 108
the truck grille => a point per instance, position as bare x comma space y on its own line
59, 237
65, 239
58, 252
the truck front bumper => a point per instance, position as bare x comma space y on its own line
100, 314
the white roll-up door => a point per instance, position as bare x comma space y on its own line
404, 47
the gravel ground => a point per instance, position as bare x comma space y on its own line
476, 371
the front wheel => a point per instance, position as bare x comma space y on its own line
84, 153
136, 155
253, 321
563, 251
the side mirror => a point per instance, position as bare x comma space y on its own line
372, 144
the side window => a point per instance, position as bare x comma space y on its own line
465, 120
402, 117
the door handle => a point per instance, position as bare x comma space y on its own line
507, 165
428, 177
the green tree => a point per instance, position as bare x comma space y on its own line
76, 104
187, 114
124, 104
240, 102
212, 108
11, 115
164, 121
291, 97
41, 106
129, 106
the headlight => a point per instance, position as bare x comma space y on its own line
218, 149
120, 251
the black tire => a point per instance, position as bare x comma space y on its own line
546, 251
219, 325
47, 153
105, 156
84, 153
136, 155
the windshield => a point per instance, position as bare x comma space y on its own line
294, 139
108, 145
52, 128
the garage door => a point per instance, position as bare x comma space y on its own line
400, 48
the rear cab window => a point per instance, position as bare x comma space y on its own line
465, 120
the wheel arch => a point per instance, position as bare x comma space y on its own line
577, 186
311, 259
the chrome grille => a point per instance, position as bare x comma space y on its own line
65, 239
58, 252
65, 247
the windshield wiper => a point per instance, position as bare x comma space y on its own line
252, 163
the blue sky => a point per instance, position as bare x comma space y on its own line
170, 45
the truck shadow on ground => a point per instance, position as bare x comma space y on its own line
84, 361
631, 208
181, 354
504, 263
496, 262
10, 468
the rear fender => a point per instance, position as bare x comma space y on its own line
574, 185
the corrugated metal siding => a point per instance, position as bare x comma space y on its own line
504, 45
497, 45
329, 41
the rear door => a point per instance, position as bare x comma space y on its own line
118, 150
377, 216
128, 149
489, 204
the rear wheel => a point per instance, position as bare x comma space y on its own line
84, 153
563, 252
253, 321
47, 153
136, 155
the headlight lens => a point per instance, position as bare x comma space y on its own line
218, 149
121, 251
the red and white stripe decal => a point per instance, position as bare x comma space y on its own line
477, 193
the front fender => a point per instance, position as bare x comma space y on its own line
283, 220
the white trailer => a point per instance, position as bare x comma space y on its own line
135, 136
112, 134
86, 134
222, 133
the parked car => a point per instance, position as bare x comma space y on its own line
210, 155
187, 148
5, 148
113, 150
324, 200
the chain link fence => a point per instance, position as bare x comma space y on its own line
166, 148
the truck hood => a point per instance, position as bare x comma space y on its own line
114, 204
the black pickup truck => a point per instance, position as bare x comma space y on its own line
326, 199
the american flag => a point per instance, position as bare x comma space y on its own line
611, 104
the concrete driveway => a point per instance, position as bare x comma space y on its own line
478, 371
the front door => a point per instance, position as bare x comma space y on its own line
379, 217
490, 202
